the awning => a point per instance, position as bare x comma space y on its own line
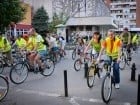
94, 21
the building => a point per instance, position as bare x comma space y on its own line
83, 16
92, 15
23, 26
126, 13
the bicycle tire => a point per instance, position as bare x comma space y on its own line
1, 67
49, 67
77, 65
58, 58
74, 54
104, 98
3, 89
91, 76
122, 64
17, 71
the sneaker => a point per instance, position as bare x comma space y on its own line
117, 85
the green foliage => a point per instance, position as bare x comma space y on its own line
40, 21
10, 11
57, 19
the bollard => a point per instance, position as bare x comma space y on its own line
65, 83
86, 69
133, 72
138, 96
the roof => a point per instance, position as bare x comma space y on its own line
100, 21
23, 26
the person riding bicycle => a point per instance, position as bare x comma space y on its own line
39, 49
5, 48
80, 48
135, 41
20, 43
95, 43
29, 46
126, 39
112, 45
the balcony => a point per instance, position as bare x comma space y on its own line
122, 3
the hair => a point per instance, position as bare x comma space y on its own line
100, 37
126, 29
111, 31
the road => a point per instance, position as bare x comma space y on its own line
39, 90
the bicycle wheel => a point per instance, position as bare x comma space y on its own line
4, 87
129, 58
1, 67
122, 62
77, 64
106, 88
91, 76
74, 54
48, 67
58, 57
19, 73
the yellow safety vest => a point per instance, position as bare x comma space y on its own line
114, 52
134, 39
40, 46
5, 47
20, 43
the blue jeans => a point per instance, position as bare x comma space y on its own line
116, 70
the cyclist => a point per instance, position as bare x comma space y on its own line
29, 46
135, 41
80, 47
39, 49
20, 43
112, 45
95, 43
5, 48
62, 43
126, 39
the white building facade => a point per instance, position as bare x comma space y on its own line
124, 12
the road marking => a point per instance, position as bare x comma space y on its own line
73, 102
38, 92
72, 99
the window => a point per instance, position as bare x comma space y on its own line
72, 28
88, 28
81, 28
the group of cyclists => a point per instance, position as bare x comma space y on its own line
34, 44
112, 45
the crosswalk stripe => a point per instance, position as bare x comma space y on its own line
72, 99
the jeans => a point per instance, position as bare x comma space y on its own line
116, 70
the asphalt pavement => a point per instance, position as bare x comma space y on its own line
39, 90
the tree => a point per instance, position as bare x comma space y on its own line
10, 11
40, 21
57, 19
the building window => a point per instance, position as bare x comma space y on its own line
72, 28
81, 28
88, 28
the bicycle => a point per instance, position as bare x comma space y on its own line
93, 70
84, 61
125, 58
74, 54
19, 72
3, 62
4, 87
108, 81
